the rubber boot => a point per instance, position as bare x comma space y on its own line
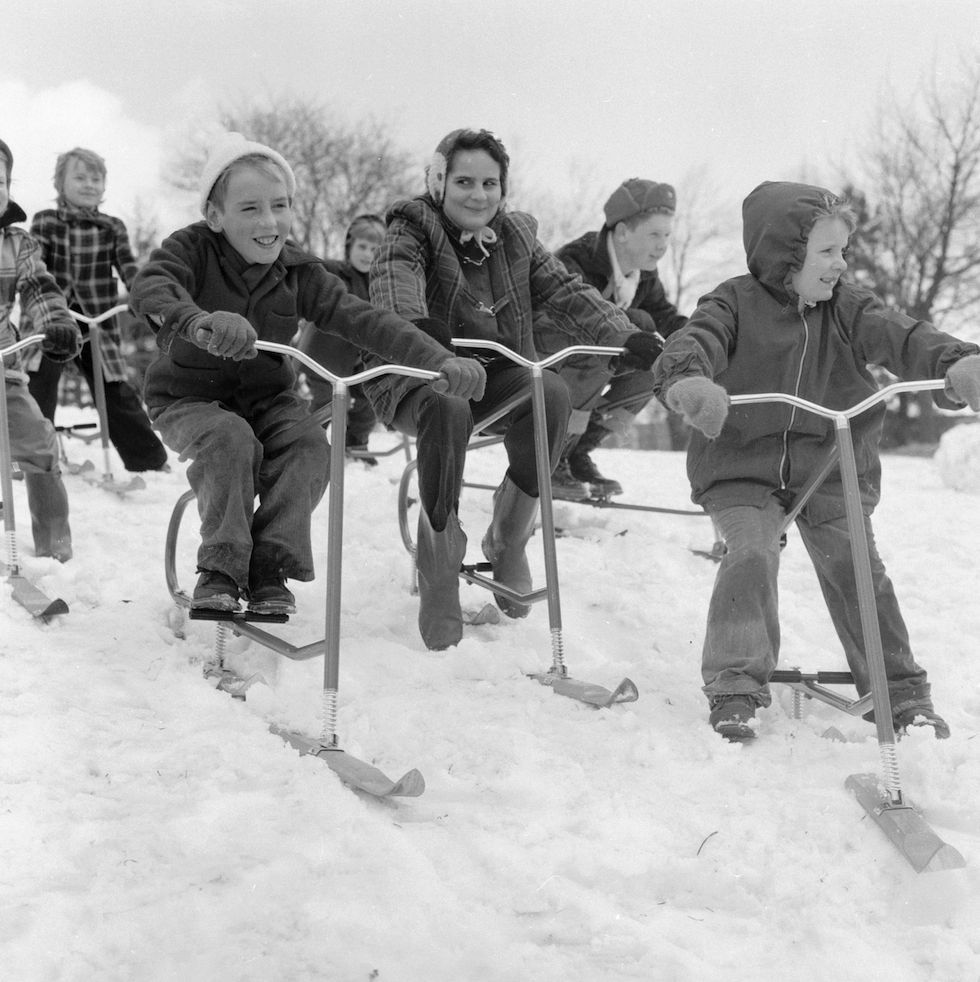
47, 500
438, 556
514, 513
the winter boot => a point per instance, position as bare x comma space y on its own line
438, 556
733, 716
912, 706
582, 466
47, 500
514, 513
215, 591
269, 595
564, 487
583, 469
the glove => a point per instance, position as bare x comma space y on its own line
62, 341
702, 403
642, 350
464, 377
224, 334
963, 381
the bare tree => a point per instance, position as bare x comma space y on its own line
342, 169
918, 245
703, 243
565, 208
919, 248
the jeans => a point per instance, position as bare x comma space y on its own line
129, 429
232, 466
442, 426
741, 645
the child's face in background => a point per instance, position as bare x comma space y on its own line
4, 189
824, 262
362, 253
256, 214
84, 187
644, 246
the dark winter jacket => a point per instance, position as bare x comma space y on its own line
339, 356
750, 336
23, 274
197, 270
589, 257
417, 273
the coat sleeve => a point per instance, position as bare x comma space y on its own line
665, 315
122, 254
398, 273
911, 349
163, 290
325, 302
702, 346
573, 307
40, 297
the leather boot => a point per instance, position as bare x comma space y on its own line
510, 528
47, 500
438, 556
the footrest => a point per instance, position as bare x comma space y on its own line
205, 614
790, 675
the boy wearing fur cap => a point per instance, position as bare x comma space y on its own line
456, 262
32, 437
210, 291
793, 325
85, 250
620, 261
364, 236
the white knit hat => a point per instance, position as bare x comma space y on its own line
230, 147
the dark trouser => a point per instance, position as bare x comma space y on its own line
129, 429
231, 466
442, 426
343, 359
741, 646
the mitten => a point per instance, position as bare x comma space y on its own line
224, 334
463, 377
963, 381
642, 350
62, 341
702, 403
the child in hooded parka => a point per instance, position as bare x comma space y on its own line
792, 325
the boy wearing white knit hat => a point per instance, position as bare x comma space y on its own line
210, 292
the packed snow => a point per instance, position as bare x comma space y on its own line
153, 828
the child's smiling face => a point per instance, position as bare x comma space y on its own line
84, 187
4, 188
824, 262
256, 214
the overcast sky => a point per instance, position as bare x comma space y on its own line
758, 89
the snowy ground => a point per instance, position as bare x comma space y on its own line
152, 828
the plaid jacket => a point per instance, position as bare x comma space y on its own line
417, 274
81, 251
22, 273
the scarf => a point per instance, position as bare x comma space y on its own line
71, 214
623, 287
472, 247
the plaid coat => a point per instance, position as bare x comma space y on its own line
22, 273
82, 250
417, 274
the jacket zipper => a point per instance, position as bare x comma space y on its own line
784, 457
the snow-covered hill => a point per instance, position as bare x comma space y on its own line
153, 829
